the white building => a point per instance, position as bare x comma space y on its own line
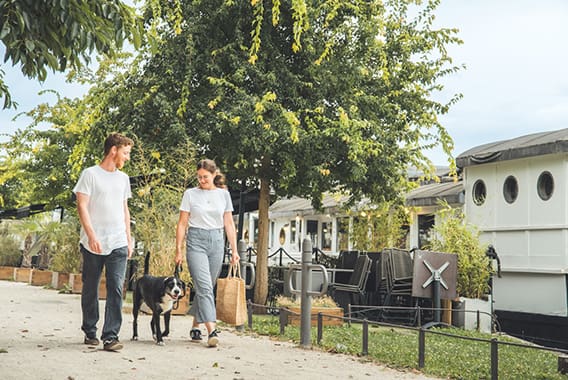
517, 195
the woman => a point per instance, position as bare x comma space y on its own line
208, 211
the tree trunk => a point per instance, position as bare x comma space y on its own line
261, 285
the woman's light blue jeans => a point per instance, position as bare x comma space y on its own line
204, 252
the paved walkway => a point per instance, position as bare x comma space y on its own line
40, 339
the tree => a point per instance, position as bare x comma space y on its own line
52, 34
347, 108
320, 96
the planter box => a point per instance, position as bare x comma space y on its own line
23, 275
59, 280
294, 317
7, 273
41, 277
464, 314
76, 285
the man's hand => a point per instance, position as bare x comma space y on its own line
95, 246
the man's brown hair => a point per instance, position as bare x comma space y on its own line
117, 140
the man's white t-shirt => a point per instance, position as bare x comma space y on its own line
206, 207
107, 192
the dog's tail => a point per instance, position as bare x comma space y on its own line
147, 263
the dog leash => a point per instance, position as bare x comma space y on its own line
178, 269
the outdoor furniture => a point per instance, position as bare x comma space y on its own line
345, 293
346, 260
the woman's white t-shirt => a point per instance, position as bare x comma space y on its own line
206, 207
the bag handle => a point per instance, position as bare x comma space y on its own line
235, 271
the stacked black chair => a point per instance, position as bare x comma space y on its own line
398, 272
353, 291
345, 260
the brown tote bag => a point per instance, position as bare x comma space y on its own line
231, 299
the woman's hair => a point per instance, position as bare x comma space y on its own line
211, 167
208, 165
219, 180
118, 140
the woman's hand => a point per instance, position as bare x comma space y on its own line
235, 258
179, 258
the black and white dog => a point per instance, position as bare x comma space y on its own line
159, 294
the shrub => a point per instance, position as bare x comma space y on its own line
10, 253
453, 235
65, 254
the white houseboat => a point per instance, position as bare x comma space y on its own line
516, 194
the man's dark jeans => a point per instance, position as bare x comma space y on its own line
115, 270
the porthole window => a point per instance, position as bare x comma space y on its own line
545, 186
510, 189
282, 236
479, 192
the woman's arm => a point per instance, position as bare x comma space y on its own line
180, 235
231, 235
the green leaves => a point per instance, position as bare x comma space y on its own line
67, 33
453, 235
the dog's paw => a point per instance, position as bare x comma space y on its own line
134, 338
160, 343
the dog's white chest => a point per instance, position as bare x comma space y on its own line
166, 304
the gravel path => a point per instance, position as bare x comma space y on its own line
41, 339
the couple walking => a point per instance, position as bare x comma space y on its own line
205, 216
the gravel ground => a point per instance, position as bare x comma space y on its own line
41, 339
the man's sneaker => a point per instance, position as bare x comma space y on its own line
112, 345
213, 338
195, 335
91, 341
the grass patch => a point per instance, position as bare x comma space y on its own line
446, 357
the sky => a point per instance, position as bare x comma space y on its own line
515, 82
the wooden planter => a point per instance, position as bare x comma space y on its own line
23, 275
41, 277
328, 319
7, 273
59, 280
76, 285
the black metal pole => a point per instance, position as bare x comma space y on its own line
494, 359
421, 347
437, 303
242, 200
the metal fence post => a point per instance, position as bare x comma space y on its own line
283, 319
305, 300
249, 312
365, 350
320, 327
242, 250
494, 359
421, 347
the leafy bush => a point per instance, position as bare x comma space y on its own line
380, 226
10, 253
155, 204
65, 254
453, 235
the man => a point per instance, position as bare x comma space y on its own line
102, 203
